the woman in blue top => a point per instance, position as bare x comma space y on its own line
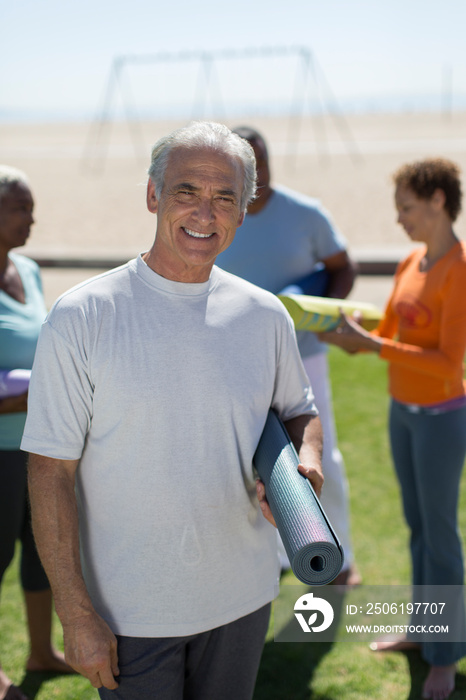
22, 311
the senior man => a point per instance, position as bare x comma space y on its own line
149, 393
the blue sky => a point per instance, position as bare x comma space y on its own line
56, 56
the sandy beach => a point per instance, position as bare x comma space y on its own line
89, 181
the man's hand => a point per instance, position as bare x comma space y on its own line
311, 473
264, 504
91, 649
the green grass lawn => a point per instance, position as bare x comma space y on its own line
304, 671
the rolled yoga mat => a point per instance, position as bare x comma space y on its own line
319, 315
314, 551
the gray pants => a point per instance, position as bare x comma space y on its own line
428, 453
221, 663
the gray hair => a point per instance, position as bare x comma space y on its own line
217, 137
9, 177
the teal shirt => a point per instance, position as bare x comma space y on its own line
19, 330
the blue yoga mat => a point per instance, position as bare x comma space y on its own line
314, 284
314, 551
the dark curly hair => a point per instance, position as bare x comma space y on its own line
425, 176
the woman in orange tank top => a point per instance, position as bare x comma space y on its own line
422, 336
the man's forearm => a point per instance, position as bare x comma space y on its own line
90, 645
55, 525
342, 272
341, 282
306, 435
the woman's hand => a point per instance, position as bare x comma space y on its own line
351, 337
14, 404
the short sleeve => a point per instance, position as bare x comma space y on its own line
60, 398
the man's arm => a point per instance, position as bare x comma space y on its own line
306, 435
342, 273
90, 645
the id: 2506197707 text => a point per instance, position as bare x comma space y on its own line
396, 609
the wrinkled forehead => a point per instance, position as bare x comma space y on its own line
202, 162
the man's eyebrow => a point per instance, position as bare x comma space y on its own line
228, 193
192, 188
185, 186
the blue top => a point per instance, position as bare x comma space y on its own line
282, 244
19, 330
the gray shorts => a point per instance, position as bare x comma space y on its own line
221, 663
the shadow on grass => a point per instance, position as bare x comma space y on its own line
34, 680
287, 667
287, 670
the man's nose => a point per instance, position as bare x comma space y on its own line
205, 210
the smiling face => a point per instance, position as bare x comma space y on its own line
16, 208
198, 212
419, 217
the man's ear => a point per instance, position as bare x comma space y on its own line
241, 218
152, 201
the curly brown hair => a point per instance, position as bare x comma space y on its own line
423, 177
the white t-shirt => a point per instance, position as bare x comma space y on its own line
162, 389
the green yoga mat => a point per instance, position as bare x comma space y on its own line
310, 542
319, 315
